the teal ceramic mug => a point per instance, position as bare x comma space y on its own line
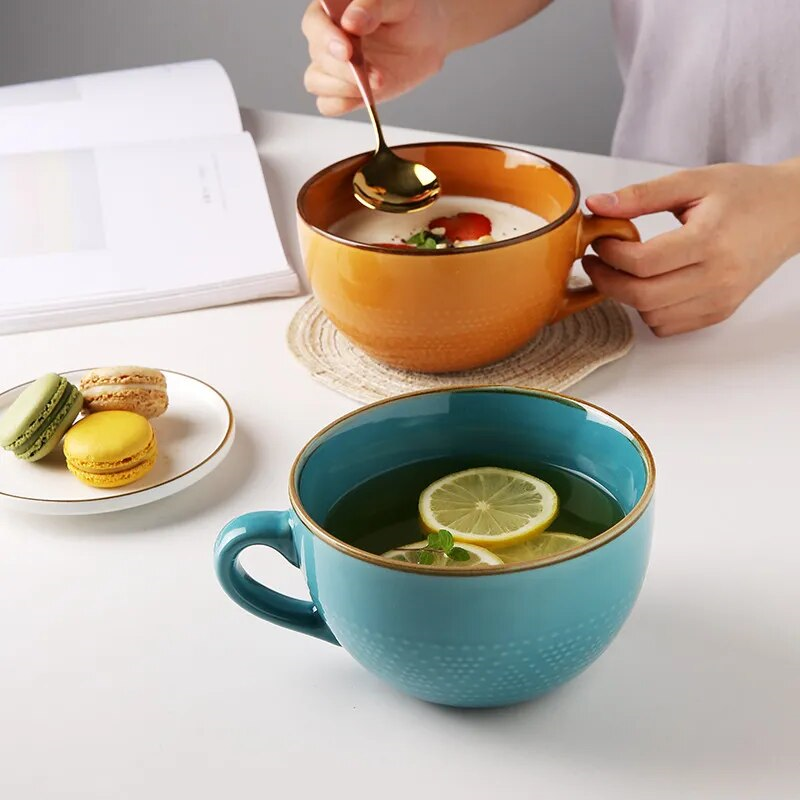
476, 637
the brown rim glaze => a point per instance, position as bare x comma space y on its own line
554, 165
174, 478
593, 544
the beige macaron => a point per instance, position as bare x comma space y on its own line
137, 389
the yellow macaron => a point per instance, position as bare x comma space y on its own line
110, 449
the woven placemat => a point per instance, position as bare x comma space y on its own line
559, 356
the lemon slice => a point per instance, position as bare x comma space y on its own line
489, 506
541, 546
478, 556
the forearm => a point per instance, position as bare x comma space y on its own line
473, 21
788, 190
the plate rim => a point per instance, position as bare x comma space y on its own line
112, 497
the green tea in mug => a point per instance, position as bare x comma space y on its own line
385, 514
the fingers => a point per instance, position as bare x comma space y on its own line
332, 80
335, 88
323, 84
650, 294
363, 17
323, 36
336, 106
697, 275
360, 18
692, 315
324, 63
329, 76
677, 302
656, 256
675, 191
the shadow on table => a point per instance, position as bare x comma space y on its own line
678, 692
200, 499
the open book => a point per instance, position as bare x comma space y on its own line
130, 194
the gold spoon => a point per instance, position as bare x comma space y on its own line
386, 182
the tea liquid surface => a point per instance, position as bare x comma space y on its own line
382, 514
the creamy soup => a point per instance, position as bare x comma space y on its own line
452, 221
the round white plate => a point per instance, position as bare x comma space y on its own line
194, 436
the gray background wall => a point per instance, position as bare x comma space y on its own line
552, 82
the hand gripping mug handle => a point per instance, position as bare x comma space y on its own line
590, 229
271, 529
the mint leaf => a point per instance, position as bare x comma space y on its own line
435, 540
458, 554
422, 239
418, 239
425, 557
446, 540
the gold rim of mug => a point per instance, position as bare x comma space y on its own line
377, 248
593, 544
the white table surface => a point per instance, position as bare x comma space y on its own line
125, 672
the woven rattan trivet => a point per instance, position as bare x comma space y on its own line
559, 356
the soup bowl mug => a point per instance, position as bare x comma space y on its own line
448, 310
473, 637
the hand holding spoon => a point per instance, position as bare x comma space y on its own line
386, 182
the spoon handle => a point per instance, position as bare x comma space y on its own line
335, 9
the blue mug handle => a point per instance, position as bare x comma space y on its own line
272, 529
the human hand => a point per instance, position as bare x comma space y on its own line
740, 223
404, 43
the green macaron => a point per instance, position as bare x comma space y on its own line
38, 419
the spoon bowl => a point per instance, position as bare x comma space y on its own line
386, 182
390, 183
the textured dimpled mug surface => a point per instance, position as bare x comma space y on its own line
500, 635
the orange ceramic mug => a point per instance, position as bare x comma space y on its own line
456, 309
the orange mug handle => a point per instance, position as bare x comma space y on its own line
590, 229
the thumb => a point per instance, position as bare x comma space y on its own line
363, 17
669, 193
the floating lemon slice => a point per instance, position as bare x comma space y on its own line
478, 556
542, 546
489, 506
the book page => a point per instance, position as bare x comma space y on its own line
92, 226
173, 101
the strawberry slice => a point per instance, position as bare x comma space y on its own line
464, 227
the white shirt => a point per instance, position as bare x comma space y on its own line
708, 80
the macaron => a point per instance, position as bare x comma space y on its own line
38, 419
110, 449
137, 389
